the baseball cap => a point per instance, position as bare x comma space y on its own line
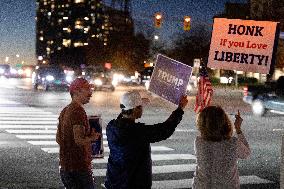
130, 100
78, 83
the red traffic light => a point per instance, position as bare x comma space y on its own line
158, 20
186, 23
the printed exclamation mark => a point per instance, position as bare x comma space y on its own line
266, 60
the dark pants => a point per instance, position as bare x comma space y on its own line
77, 179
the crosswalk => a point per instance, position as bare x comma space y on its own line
38, 127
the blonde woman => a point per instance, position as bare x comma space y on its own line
217, 151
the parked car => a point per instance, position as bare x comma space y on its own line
5, 70
267, 97
102, 81
145, 75
50, 77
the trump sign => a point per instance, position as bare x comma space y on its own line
170, 78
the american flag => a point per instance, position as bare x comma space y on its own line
205, 91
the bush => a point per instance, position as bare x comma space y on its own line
215, 80
247, 80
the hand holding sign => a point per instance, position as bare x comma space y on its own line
183, 102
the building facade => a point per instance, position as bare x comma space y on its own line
65, 27
268, 10
75, 32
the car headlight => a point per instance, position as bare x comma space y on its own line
114, 82
33, 77
28, 72
13, 71
49, 78
98, 82
147, 84
68, 78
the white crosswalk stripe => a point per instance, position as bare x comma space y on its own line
38, 128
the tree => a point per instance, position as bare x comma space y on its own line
280, 54
188, 46
141, 50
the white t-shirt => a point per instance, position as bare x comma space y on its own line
217, 162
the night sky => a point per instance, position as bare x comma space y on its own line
17, 22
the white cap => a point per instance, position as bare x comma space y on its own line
130, 100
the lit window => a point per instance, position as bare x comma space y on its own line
59, 48
66, 42
47, 49
103, 27
39, 57
78, 44
67, 29
49, 13
59, 20
79, 24
79, 1
85, 44
52, 6
86, 18
41, 38
65, 18
67, 5
105, 44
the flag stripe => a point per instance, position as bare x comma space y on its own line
205, 91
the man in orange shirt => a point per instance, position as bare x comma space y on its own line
74, 137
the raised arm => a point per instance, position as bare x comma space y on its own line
161, 131
243, 149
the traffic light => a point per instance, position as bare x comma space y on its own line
158, 20
186, 23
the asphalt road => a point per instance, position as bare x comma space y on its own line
29, 157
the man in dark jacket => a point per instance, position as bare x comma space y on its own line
129, 163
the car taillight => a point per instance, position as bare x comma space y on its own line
245, 91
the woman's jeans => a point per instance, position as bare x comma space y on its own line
77, 179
